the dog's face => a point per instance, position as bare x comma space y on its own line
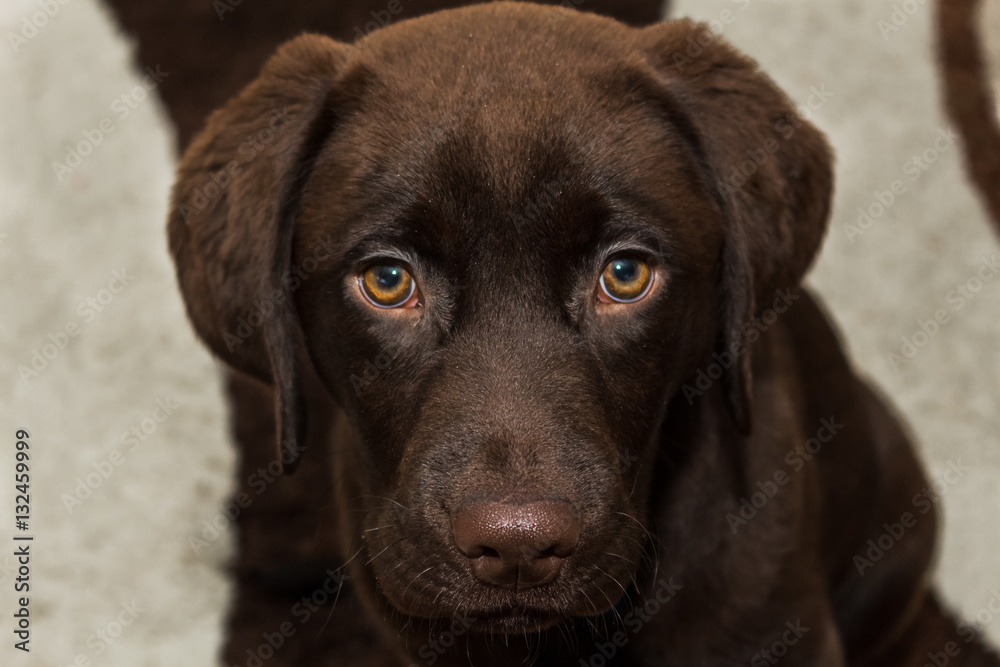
513, 244
510, 301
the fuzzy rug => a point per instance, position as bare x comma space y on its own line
129, 450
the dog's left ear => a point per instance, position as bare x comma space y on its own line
232, 221
769, 169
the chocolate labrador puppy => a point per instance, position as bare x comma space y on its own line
535, 275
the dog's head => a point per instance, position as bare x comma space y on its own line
504, 236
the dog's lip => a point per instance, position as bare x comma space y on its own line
514, 619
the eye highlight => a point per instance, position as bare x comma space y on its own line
625, 281
388, 286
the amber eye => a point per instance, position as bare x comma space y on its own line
387, 285
625, 280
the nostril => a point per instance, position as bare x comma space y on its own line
551, 551
516, 544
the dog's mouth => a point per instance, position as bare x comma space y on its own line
513, 620
494, 612
503, 591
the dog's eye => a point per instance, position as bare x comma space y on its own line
387, 285
625, 281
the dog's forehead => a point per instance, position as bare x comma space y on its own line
510, 36
507, 68
499, 121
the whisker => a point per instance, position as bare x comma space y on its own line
624, 592
357, 530
635, 482
356, 554
405, 560
403, 597
632, 572
391, 525
440, 593
652, 537
424, 588
654, 541
333, 607
383, 550
621, 621
597, 614
395, 502
608, 553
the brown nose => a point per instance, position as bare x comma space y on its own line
516, 546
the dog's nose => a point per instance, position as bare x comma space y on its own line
516, 546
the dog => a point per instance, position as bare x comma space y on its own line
533, 277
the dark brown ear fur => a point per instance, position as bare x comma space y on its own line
770, 170
232, 219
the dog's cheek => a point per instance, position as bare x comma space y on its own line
646, 361
359, 368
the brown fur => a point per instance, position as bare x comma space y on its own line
968, 97
432, 139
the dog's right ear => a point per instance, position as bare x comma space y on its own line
232, 219
771, 172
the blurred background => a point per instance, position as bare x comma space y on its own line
131, 456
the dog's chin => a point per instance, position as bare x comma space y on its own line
514, 621
504, 618
466, 605
502, 621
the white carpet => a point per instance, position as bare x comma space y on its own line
61, 242
127, 541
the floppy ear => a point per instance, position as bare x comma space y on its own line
770, 172
233, 214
